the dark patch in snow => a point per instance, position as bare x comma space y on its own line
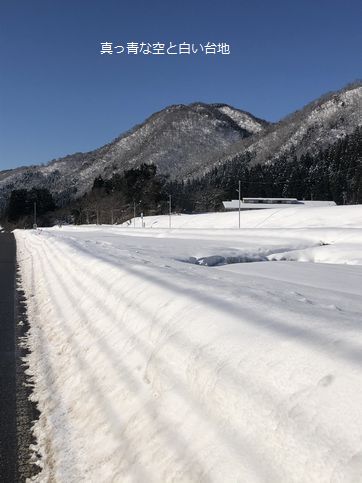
218, 260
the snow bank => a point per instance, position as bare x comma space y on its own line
347, 253
150, 369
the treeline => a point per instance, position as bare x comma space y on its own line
26, 206
331, 174
115, 200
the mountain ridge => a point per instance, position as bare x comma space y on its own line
270, 144
178, 139
186, 141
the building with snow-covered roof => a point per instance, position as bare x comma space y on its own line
269, 203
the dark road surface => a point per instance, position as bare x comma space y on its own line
8, 440
16, 411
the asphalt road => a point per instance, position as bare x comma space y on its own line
8, 439
16, 411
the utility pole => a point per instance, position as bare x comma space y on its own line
239, 190
34, 225
170, 211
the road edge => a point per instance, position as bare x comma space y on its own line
26, 409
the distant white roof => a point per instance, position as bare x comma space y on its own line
273, 203
247, 200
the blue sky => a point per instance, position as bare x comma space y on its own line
59, 95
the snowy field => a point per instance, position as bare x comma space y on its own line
159, 356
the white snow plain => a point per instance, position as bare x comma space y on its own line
157, 358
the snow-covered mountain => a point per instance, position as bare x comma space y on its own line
180, 140
185, 141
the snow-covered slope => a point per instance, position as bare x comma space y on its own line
316, 126
150, 366
244, 119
